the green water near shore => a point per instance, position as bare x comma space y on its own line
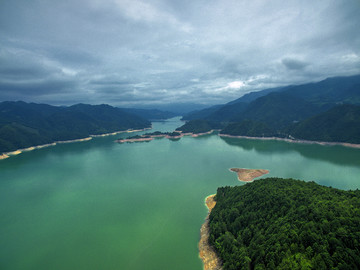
103, 205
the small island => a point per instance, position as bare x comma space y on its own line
175, 135
248, 175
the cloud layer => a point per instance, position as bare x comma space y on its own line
133, 52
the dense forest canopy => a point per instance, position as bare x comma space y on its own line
278, 223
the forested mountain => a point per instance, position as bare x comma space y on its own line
293, 111
151, 114
28, 124
278, 223
312, 98
228, 112
224, 112
201, 114
339, 124
249, 128
277, 110
249, 97
199, 126
330, 91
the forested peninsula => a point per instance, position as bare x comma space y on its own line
276, 223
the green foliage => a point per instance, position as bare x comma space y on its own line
339, 124
198, 126
249, 128
278, 110
29, 124
278, 223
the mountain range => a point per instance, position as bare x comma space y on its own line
295, 111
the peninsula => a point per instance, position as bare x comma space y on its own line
248, 175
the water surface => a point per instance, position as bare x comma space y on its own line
103, 205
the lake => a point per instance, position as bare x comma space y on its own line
103, 205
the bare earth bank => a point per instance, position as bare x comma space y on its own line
206, 252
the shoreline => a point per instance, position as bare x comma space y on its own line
134, 140
248, 175
206, 252
6, 155
351, 145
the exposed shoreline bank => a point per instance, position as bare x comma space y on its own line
206, 252
351, 145
248, 175
31, 148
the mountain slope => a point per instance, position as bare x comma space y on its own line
201, 114
27, 124
329, 91
277, 110
339, 124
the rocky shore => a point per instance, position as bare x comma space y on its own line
206, 252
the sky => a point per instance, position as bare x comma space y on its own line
133, 52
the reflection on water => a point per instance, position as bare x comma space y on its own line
335, 154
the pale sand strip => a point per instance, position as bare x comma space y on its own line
352, 145
206, 252
248, 175
19, 151
134, 140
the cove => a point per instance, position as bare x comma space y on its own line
102, 205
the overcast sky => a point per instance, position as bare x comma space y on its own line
132, 52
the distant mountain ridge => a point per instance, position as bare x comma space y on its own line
28, 124
151, 114
324, 94
294, 111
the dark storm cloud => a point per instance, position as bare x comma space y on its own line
135, 52
294, 64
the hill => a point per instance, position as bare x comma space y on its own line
278, 223
330, 91
276, 103
28, 124
249, 128
201, 114
339, 124
198, 126
278, 110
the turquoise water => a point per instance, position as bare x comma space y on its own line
103, 205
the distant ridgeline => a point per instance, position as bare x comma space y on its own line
325, 111
278, 223
28, 124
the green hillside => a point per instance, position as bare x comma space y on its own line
278, 223
339, 124
249, 128
27, 124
